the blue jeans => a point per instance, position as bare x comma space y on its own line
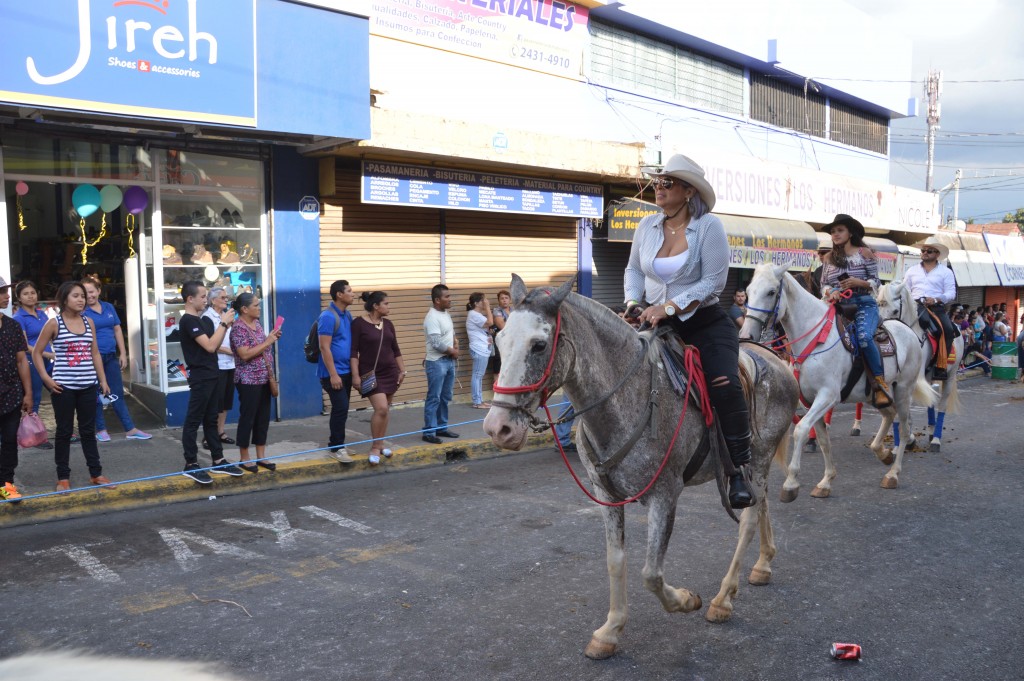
37, 383
866, 322
112, 369
563, 431
477, 382
440, 381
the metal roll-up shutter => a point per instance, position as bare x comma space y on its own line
483, 249
395, 249
609, 265
971, 296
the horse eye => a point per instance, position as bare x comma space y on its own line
771, 292
538, 346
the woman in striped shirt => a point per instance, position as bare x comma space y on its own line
77, 368
852, 266
679, 262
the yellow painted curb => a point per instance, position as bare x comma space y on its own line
177, 488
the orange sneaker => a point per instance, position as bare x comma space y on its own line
103, 480
63, 486
10, 492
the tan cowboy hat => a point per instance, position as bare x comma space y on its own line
932, 242
687, 170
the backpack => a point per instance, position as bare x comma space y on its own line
312, 345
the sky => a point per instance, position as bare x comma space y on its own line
982, 124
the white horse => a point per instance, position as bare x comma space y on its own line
823, 366
895, 302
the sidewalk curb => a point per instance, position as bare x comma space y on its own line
174, 489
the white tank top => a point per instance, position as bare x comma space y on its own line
666, 267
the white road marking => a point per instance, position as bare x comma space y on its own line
84, 559
280, 526
341, 521
188, 560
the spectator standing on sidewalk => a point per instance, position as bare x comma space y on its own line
501, 314
110, 340
334, 329
199, 342
15, 392
375, 348
478, 321
218, 300
439, 364
253, 369
32, 320
77, 367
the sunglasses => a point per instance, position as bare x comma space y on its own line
929, 250
664, 183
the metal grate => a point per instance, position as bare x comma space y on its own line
778, 103
858, 128
643, 65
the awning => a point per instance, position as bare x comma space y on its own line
754, 241
969, 257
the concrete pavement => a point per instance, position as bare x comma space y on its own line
148, 472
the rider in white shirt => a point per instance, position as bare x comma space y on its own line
933, 287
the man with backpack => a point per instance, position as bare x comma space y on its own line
334, 345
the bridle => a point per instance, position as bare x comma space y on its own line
771, 313
539, 386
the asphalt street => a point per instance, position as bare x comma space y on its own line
495, 569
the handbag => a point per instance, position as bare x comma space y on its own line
31, 431
275, 388
368, 381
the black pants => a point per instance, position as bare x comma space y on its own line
253, 414
339, 409
66, 404
9, 444
717, 338
928, 323
203, 405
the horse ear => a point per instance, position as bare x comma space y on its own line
563, 290
518, 289
779, 270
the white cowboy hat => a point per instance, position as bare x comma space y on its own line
685, 169
932, 242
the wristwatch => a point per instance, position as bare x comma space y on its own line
224, 325
670, 310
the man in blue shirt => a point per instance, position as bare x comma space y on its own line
334, 329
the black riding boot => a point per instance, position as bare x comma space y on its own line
736, 430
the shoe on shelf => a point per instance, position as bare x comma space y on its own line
139, 435
226, 440
432, 439
193, 471
225, 467
45, 445
249, 468
63, 486
10, 492
102, 436
341, 455
103, 480
446, 433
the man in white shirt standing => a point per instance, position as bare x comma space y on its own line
442, 351
933, 287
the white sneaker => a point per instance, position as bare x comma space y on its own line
341, 456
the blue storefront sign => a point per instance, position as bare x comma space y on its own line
181, 59
410, 185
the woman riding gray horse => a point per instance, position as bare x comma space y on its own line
678, 263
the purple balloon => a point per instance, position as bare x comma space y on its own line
135, 200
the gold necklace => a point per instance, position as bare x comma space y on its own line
671, 217
379, 325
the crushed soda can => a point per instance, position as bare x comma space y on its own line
845, 651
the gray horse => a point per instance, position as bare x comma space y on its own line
612, 377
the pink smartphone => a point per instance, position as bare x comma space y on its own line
278, 323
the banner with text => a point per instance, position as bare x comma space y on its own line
410, 185
192, 60
541, 35
624, 217
1008, 255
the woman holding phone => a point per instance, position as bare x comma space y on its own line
253, 369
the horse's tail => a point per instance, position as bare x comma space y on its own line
953, 400
924, 394
783, 447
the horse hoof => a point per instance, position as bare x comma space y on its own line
935, 447
890, 483
788, 495
716, 614
821, 492
810, 446
599, 650
855, 432
758, 577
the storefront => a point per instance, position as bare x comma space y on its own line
972, 266
150, 159
1008, 257
403, 227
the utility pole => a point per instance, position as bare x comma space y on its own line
932, 91
956, 197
